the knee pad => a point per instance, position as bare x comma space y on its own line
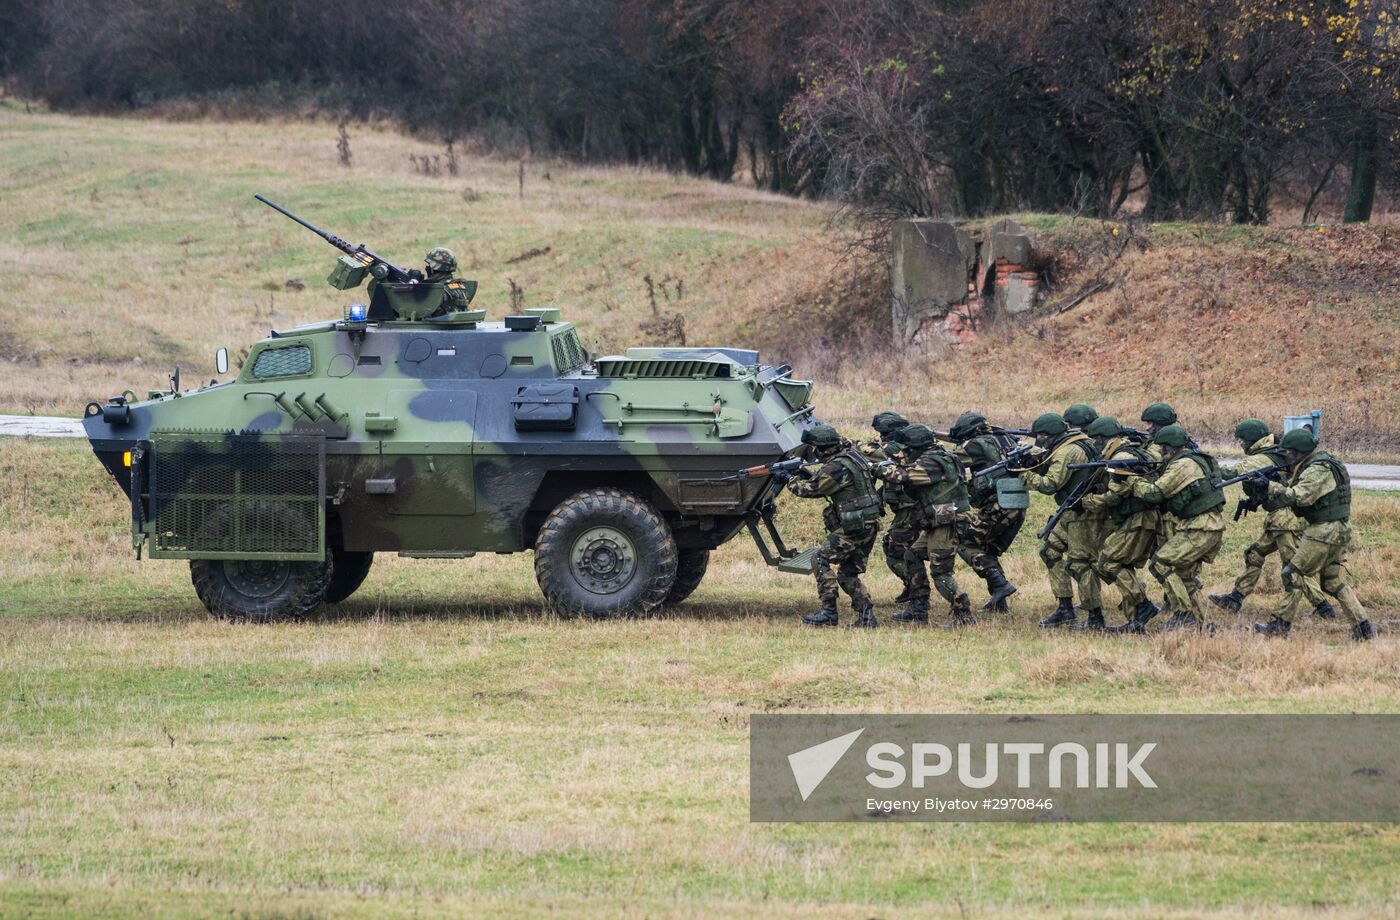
1254, 556
1290, 577
941, 562
1050, 554
1159, 570
1106, 570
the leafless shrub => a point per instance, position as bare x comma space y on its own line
342, 145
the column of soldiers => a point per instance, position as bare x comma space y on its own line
1126, 499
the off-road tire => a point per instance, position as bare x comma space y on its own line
286, 590
690, 571
348, 572
643, 583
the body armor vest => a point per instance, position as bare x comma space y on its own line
1202, 495
950, 489
1077, 477
984, 451
1335, 505
857, 506
1131, 504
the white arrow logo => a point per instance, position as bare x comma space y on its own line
811, 765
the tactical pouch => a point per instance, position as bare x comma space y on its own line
1012, 494
942, 515
857, 514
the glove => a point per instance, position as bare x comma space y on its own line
1112, 500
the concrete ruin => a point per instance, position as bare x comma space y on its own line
948, 282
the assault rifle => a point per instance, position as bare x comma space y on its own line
1255, 488
783, 469
379, 267
1010, 461
1125, 465
991, 429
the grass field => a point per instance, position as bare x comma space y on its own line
440, 744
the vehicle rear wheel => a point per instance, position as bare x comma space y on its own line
347, 573
690, 571
605, 553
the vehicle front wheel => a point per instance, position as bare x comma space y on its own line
605, 552
691, 565
260, 590
348, 572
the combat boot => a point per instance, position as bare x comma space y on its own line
1063, 615
1094, 621
903, 596
1324, 611
1363, 631
1231, 602
1181, 620
1277, 628
916, 611
823, 617
865, 618
961, 614
998, 590
1001, 606
1142, 615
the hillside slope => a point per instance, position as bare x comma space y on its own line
132, 245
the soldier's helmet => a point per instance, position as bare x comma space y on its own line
1251, 430
1300, 441
1050, 424
1172, 436
441, 259
967, 425
1159, 413
914, 437
1079, 415
887, 423
822, 437
1105, 426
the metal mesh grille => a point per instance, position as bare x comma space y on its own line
283, 362
677, 368
241, 496
568, 353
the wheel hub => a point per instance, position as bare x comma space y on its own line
257, 577
604, 560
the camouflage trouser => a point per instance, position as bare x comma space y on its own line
849, 553
1069, 553
1285, 543
1177, 565
1328, 563
1125, 550
904, 531
985, 534
939, 548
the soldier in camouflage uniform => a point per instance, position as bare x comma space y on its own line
441, 266
1187, 490
1131, 525
1282, 527
851, 517
1320, 492
988, 530
935, 478
908, 525
1069, 552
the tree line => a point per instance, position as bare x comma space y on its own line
1190, 109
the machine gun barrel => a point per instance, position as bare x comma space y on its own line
1010, 460
1127, 464
1264, 472
388, 272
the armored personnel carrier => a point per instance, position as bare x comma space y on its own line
408, 427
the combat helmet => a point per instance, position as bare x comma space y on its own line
822, 437
887, 423
1079, 415
1159, 413
1251, 430
441, 259
914, 437
1105, 426
1300, 440
1172, 436
1051, 424
967, 425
